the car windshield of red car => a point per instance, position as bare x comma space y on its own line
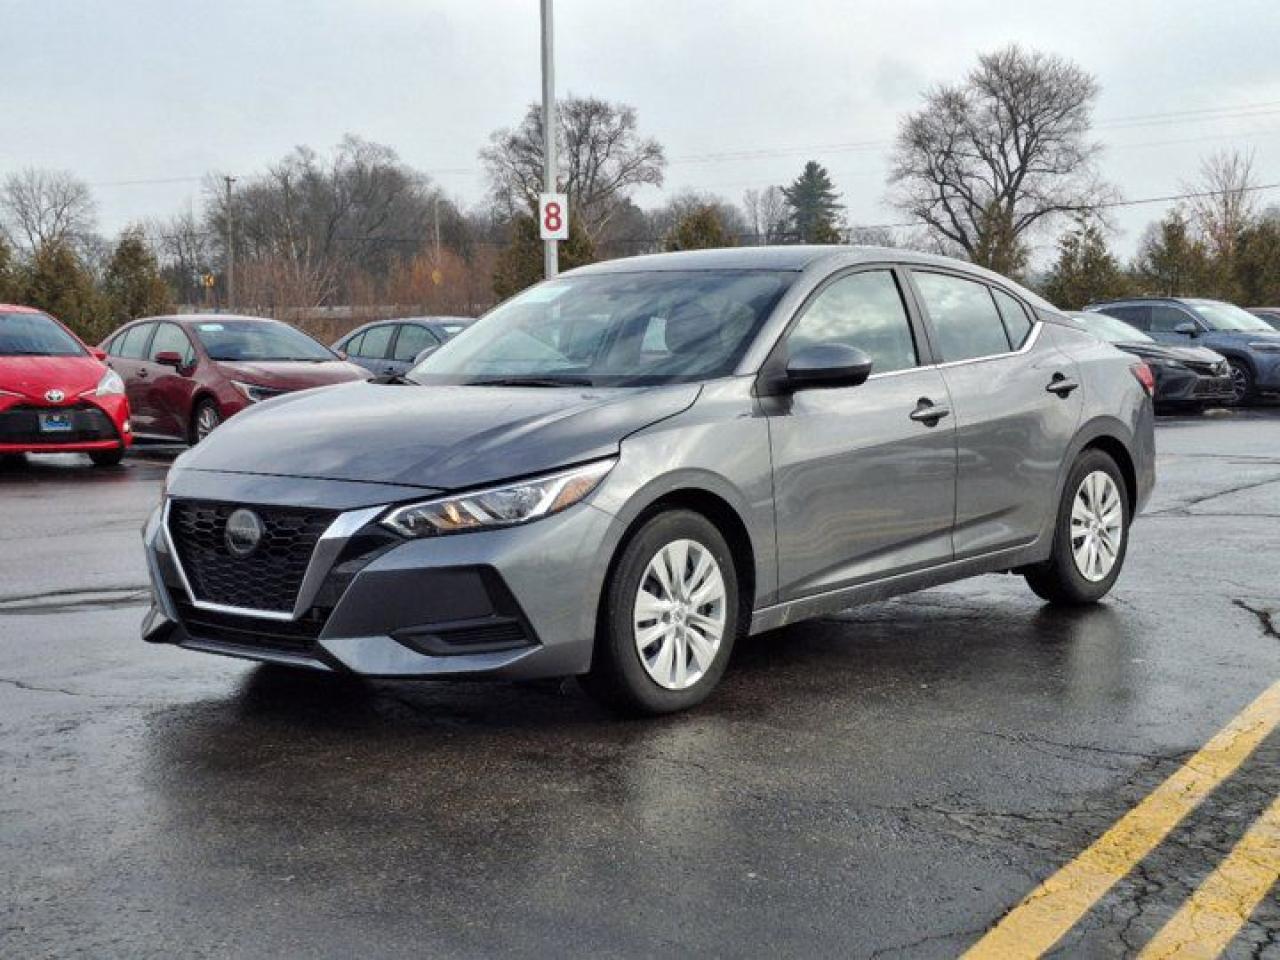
245, 340
35, 335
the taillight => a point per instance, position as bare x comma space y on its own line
1142, 373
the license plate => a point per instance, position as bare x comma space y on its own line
55, 423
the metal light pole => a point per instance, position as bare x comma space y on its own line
550, 255
231, 248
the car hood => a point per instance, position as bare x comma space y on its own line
443, 438
34, 376
1162, 351
291, 374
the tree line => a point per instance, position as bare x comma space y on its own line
986, 169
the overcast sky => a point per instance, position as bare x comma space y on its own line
169, 89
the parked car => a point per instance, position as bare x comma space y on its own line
1270, 315
618, 473
185, 375
1251, 347
1192, 377
390, 347
56, 394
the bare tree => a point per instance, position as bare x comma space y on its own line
46, 206
767, 214
602, 159
1227, 204
988, 160
185, 251
664, 219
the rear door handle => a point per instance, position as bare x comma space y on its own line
1062, 385
143, 373
928, 413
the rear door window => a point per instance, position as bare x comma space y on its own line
1167, 319
1017, 322
1136, 315
964, 316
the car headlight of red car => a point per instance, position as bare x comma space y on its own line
111, 385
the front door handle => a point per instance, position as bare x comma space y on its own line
1062, 385
928, 413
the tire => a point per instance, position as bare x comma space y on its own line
11, 461
107, 458
1061, 579
632, 679
1242, 379
205, 418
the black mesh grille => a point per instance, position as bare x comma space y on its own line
290, 636
267, 579
22, 425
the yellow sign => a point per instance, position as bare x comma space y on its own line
208, 280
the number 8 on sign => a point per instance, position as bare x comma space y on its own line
553, 216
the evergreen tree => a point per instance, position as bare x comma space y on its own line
520, 261
699, 229
1085, 269
56, 281
1257, 263
132, 282
10, 286
1172, 261
814, 204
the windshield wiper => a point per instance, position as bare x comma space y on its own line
394, 379
566, 381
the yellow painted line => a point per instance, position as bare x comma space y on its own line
1054, 907
1209, 921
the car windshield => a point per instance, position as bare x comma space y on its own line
1110, 329
253, 340
35, 335
1226, 316
612, 329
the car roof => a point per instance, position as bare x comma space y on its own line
795, 258
19, 308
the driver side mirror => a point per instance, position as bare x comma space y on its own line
1187, 329
826, 365
98, 353
171, 358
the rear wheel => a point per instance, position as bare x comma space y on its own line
107, 458
204, 421
669, 617
1241, 382
1090, 537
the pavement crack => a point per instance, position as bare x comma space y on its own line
1185, 506
74, 598
906, 947
1266, 618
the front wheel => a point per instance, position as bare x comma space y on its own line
1241, 383
204, 421
668, 619
107, 458
1090, 537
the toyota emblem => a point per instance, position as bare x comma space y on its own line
243, 533
54, 396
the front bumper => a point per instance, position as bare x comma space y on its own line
1182, 387
516, 603
97, 424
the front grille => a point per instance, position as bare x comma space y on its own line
21, 424
1213, 388
291, 636
486, 635
269, 578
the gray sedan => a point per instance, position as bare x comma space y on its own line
618, 473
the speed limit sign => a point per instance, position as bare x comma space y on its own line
553, 216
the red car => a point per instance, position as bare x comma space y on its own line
185, 375
56, 395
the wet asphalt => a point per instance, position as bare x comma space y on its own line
888, 782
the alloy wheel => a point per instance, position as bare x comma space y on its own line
1239, 383
679, 614
207, 421
1097, 525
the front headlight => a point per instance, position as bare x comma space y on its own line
111, 385
1167, 364
504, 506
254, 393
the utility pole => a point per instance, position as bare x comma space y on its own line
550, 255
231, 248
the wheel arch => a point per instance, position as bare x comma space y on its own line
1113, 438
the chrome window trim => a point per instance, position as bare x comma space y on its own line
1027, 346
343, 527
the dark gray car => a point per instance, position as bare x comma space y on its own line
617, 473
390, 347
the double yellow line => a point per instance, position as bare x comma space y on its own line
1206, 924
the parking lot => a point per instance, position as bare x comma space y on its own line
887, 782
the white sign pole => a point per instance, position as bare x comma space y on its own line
550, 256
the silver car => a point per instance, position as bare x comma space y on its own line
617, 473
